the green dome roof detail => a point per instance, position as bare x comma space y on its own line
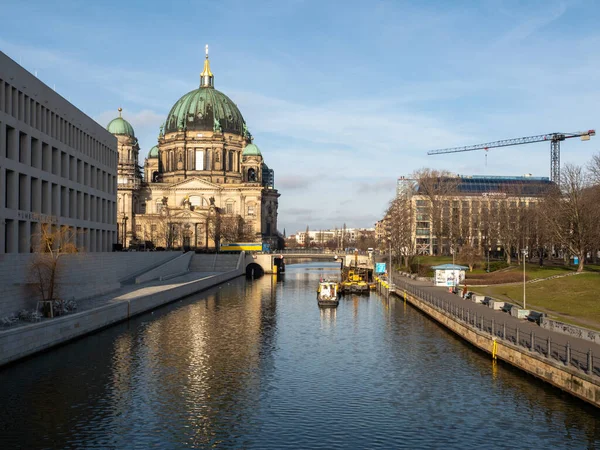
120, 126
205, 109
153, 152
251, 150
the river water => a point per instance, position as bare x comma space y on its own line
256, 364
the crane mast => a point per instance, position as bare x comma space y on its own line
554, 139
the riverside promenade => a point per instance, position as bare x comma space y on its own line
136, 297
565, 361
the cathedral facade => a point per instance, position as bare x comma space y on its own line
205, 182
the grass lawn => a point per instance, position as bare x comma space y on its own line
433, 260
574, 299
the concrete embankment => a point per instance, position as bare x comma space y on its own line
568, 378
26, 339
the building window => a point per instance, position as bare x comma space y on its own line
229, 208
251, 210
199, 160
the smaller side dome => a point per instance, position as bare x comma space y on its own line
251, 150
153, 152
120, 126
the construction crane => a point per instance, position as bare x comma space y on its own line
554, 139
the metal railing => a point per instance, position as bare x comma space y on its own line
543, 346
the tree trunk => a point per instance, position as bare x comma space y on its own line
52, 280
581, 261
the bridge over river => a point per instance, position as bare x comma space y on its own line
267, 262
256, 364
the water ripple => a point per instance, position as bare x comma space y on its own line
258, 365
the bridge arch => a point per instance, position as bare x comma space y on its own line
254, 270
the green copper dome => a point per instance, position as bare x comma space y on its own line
120, 126
251, 150
153, 152
205, 109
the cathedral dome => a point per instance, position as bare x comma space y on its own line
153, 152
205, 109
200, 109
251, 150
120, 126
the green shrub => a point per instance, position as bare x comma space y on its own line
497, 265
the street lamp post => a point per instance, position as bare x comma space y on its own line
524, 297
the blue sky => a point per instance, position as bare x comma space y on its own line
343, 97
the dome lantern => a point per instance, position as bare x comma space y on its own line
120, 126
206, 77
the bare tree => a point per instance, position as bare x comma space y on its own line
50, 245
437, 187
236, 229
215, 221
572, 213
594, 169
469, 255
398, 222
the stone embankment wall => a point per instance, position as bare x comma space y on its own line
26, 340
570, 330
570, 380
81, 275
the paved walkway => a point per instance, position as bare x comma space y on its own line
128, 292
467, 309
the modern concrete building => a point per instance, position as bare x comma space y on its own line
57, 166
489, 212
204, 183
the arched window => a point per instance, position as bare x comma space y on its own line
251, 175
196, 201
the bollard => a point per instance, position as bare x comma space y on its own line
475, 319
589, 362
548, 348
481, 328
531, 347
568, 358
492, 332
517, 336
504, 331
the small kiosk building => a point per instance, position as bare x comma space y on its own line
449, 274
